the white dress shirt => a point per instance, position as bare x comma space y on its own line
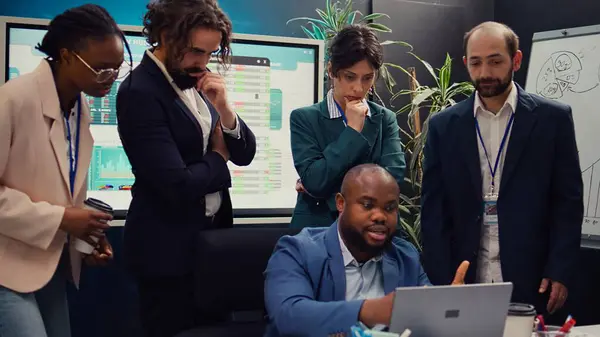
199, 109
492, 128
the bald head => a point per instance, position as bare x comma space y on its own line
368, 210
491, 29
367, 174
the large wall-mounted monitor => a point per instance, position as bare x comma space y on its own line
268, 78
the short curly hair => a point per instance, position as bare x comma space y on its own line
177, 18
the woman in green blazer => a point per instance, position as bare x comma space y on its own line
343, 130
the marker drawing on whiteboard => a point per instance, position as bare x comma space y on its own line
560, 73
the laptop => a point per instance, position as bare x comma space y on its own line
472, 310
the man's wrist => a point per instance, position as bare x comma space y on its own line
227, 116
368, 312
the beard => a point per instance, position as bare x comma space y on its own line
357, 240
494, 86
181, 76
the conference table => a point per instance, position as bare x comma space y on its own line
590, 330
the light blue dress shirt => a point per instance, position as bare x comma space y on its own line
363, 280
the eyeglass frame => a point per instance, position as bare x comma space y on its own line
114, 74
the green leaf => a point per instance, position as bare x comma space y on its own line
462, 88
417, 150
406, 200
352, 17
329, 23
405, 92
401, 69
424, 95
317, 31
428, 67
412, 235
404, 109
308, 33
404, 209
372, 17
342, 15
388, 79
379, 27
400, 43
444, 74
321, 22
417, 224
328, 8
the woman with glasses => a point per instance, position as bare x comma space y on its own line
344, 130
45, 151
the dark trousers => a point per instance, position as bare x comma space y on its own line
167, 305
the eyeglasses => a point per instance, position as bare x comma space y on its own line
103, 75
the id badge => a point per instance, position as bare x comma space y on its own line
490, 210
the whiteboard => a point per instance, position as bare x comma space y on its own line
565, 66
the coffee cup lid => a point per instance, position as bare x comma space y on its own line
99, 205
521, 309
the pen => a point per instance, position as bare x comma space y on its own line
542, 325
568, 325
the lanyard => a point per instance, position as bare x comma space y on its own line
73, 158
502, 143
342, 113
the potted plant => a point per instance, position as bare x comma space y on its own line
430, 100
338, 15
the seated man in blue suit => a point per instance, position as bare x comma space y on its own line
324, 280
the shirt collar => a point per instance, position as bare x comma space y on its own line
511, 101
160, 65
334, 112
347, 256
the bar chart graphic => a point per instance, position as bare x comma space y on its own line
110, 169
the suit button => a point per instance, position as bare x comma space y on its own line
317, 203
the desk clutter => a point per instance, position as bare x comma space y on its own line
540, 329
360, 330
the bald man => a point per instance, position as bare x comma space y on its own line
502, 184
324, 280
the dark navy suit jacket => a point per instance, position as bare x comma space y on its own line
540, 206
163, 141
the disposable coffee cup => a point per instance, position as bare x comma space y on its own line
97, 205
519, 321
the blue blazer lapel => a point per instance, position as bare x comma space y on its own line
391, 273
336, 262
525, 119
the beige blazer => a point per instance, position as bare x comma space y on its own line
34, 180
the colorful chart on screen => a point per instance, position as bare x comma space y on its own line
265, 82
